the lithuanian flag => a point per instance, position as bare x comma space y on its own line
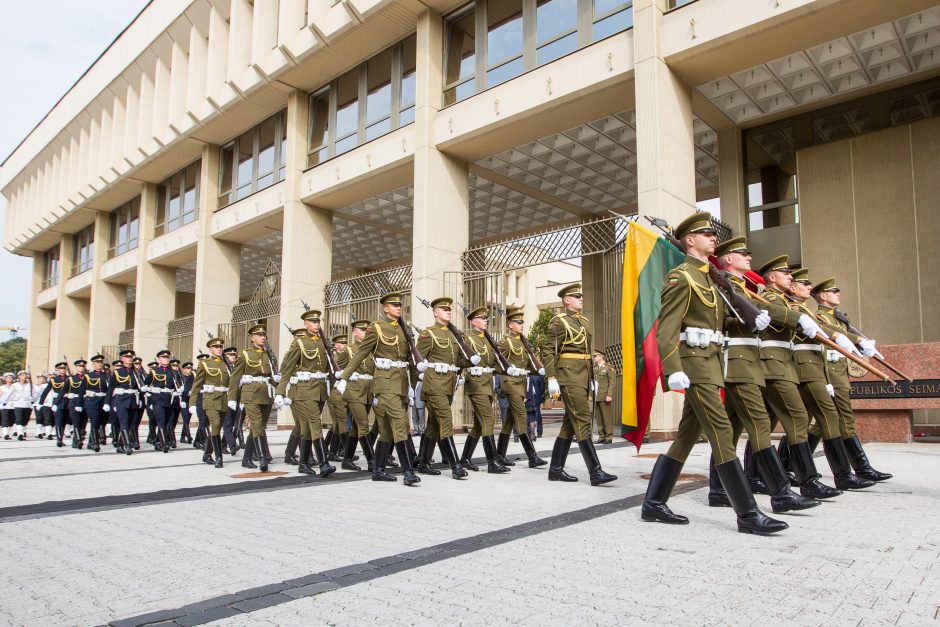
647, 259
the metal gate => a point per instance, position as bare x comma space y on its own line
612, 268
264, 307
357, 298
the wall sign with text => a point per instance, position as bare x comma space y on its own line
920, 388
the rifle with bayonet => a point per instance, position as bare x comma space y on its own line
331, 362
844, 319
503, 362
462, 343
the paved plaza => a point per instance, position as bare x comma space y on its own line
153, 538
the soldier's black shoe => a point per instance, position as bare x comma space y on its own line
859, 461
425, 450
207, 456
662, 480
804, 467
534, 460
750, 471
466, 458
381, 454
598, 475
324, 466
290, 451
449, 452
556, 470
782, 498
215, 442
303, 465
264, 453
349, 451
841, 470
405, 454
368, 452
750, 518
493, 464
717, 497
501, 448
331, 445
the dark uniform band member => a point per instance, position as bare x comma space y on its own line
689, 337
567, 358
210, 393
57, 389
76, 403
123, 394
96, 389
250, 385
161, 386
386, 344
231, 425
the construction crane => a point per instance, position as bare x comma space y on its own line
14, 331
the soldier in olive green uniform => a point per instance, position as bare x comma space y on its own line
250, 384
478, 387
386, 344
744, 383
358, 397
336, 437
817, 392
514, 388
443, 359
567, 358
293, 440
210, 386
689, 337
306, 368
828, 298
603, 396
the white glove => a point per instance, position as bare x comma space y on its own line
79, 408
422, 365
868, 348
232, 405
553, 387
678, 381
420, 376
762, 321
411, 395
475, 359
241, 406
182, 405
460, 381
276, 378
847, 344
106, 407
192, 410
338, 374
809, 327
594, 387
830, 389
55, 408
375, 401
279, 401
542, 371
512, 371
341, 386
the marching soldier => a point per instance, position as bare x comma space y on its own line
123, 390
514, 388
56, 390
478, 387
358, 397
689, 336
293, 440
828, 298
231, 426
176, 403
818, 392
148, 406
336, 436
161, 386
209, 392
443, 359
96, 389
744, 382
76, 403
603, 396
113, 419
386, 344
567, 359
186, 371
250, 385
306, 368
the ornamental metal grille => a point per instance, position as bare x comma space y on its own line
357, 298
126, 338
180, 326
266, 301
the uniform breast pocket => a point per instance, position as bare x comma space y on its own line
742, 356
807, 358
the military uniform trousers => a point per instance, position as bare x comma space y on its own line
516, 415
7, 417
78, 418
605, 428
391, 416
339, 415
744, 403
125, 407
483, 417
360, 418
440, 425
786, 406
45, 416
21, 415
846, 417
307, 415
215, 418
61, 415
257, 415
94, 411
161, 410
577, 420
703, 412
821, 405
228, 426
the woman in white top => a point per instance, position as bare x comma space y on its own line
20, 399
6, 410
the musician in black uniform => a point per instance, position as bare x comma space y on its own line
93, 401
175, 399
230, 440
123, 393
57, 387
76, 403
161, 386
186, 372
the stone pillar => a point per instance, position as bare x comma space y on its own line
38, 354
218, 263
156, 286
665, 152
108, 305
732, 189
71, 313
441, 182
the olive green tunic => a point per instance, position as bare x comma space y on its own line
305, 354
256, 396
338, 408
514, 388
837, 367
438, 345
358, 394
605, 378
479, 387
567, 357
211, 372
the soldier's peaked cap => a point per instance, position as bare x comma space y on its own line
341, 338
310, 314
515, 315
216, 341
698, 222
570, 290
391, 298
825, 285
733, 245
258, 329
442, 301
801, 274
479, 312
360, 324
777, 264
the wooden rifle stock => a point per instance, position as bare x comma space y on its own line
503, 362
536, 362
844, 319
412, 347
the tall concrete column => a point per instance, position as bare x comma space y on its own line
441, 182
40, 324
156, 286
218, 263
732, 189
108, 305
71, 313
665, 152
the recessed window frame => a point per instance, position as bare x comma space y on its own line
83, 250
124, 228
164, 222
229, 157
51, 267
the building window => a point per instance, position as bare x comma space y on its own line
83, 250
50, 267
492, 41
254, 160
178, 199
124, 228
365, 103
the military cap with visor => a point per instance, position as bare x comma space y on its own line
258, 329
777, 264
442, 301
826, 285
733, 245
340, 339
391, 298
573, 289
311, 314
516, 314
801, 275
698, 222
215, 341
479, 312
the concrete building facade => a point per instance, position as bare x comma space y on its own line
232, 160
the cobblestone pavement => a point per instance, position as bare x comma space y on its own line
98, 538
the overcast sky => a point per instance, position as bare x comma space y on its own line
45, 45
